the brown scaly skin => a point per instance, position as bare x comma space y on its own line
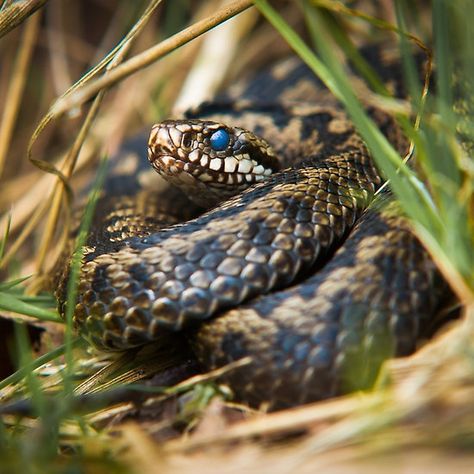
329, 335
216, 277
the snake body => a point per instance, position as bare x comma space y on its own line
302, 273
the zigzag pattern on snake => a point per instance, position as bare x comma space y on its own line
302, 272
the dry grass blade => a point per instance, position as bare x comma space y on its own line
212, 374
26, 231
61, 187
16, 86
148, 57
17, 12
283, 422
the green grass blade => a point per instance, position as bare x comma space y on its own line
35, 364
3, 241
411, 75
8, 302
8, 285
344, 42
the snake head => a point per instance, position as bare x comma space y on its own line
210, 161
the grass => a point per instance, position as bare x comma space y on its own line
424, 402
438, 199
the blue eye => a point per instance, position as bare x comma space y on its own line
219, 140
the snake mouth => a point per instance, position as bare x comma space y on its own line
216, 171
206, 186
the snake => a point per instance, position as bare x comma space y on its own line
264, 237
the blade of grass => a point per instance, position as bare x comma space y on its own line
8, 285
3, 240
382, 98
35, 364
17, 83
444, 60
45, 299
8, 302
350, 50
410, 70
445, 166
17, 12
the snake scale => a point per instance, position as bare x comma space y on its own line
294, 265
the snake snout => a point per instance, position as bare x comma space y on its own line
160, 143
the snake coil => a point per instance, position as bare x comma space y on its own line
300, 270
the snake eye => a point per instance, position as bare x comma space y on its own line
220, 140
187, 140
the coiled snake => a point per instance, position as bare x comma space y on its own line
296, 271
